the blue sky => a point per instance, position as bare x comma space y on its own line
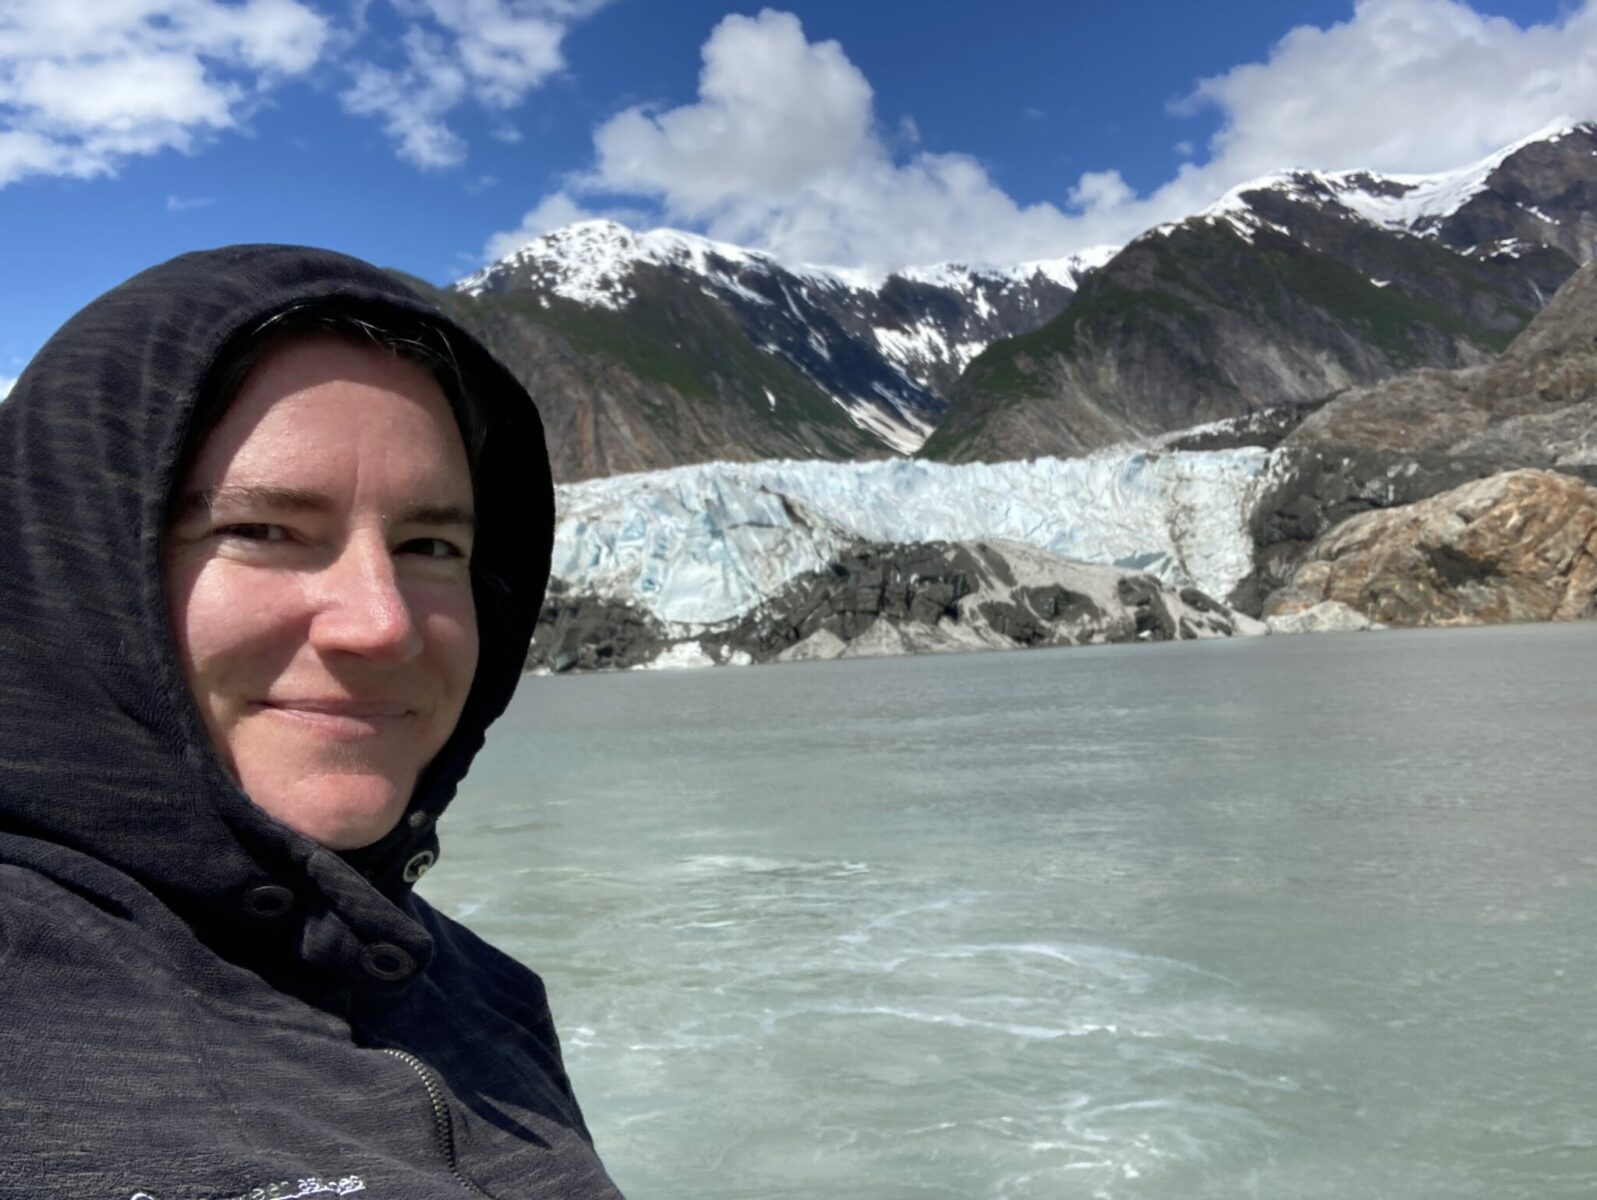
428, 134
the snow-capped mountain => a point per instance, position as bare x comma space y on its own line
1450, 207
654, 349
883, 348
1290, 288
794, 561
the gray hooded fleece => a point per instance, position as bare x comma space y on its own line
196, 1002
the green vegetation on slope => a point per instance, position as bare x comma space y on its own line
1274, 274
683, 341
1017, 369
1163, 297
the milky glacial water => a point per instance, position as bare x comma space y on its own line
1276, 917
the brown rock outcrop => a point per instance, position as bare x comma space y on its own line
1519, 546
1537, 403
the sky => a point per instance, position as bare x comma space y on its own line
435, 135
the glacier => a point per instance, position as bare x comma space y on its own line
701, 545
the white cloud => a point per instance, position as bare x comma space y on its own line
412, 102
1098, 190
1402, 85
775, 113
782, 148
489, 52
85, 86
7, 382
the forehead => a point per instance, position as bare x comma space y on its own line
319, 399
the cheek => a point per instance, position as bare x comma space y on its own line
450, 622
228, 629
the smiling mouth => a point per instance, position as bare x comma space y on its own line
341, 719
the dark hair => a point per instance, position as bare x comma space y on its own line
404, 334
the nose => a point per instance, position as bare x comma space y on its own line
361, 609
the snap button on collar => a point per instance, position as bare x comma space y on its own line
267, 901
418, 819
419, 864
387, 962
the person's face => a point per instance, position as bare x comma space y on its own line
317, 572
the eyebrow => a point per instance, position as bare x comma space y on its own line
439, 514
300, 500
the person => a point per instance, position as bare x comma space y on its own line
278, 534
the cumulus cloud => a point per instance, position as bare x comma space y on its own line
488, 52
1416, 85
7, 382
1098, 190
775, 113
1400, 86
83, 87
782, 148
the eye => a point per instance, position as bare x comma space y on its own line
432, 547
253, 531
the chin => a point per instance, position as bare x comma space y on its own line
342, 811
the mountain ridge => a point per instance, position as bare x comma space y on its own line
882, 347
656, 349
1290, 288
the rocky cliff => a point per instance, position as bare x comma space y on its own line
1431, 431
1520, 546
896, 599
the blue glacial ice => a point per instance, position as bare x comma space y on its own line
703, 544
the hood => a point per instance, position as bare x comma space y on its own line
105, 753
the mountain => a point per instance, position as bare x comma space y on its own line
1429, 432
651, 349
1290, 288
657, 349
1438, 496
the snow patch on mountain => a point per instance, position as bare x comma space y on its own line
911, 350
958, 276
1415, 204
591, 262
900, 429
702, 545
1419, 202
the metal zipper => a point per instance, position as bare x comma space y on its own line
443, 1126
